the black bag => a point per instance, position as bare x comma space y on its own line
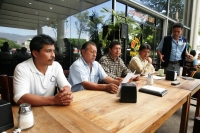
195, 74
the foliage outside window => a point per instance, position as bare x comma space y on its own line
11, 43
133, 27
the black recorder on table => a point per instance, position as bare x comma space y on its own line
172, 76
128, 93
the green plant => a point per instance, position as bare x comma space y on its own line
113, 27
189, 47
12, 44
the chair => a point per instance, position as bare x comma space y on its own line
156, 66
6, 84
66, 72
10, 85
4, 87
196, 127
187, 68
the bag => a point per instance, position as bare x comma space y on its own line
195, 74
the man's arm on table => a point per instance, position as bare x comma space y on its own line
110, 87
64, 97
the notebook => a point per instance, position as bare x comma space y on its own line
158, 91
187, 78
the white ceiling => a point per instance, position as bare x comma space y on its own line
29, 14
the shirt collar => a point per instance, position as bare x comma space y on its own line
180, 38
34, 69
140, 57
84, 61
112, 57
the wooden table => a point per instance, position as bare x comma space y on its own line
193, 86
99, 111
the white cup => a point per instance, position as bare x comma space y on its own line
161, 72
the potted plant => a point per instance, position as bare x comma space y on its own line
111, 30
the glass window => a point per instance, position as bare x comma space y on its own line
141, 16
151, 31
176, 8
121, 8
85, 26
157, 5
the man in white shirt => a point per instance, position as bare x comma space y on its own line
35, 79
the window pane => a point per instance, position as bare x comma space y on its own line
157, 5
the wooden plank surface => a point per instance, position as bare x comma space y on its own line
119, 117
99, 111
191, 85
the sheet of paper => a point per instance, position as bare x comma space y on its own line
128, 76
126, 79
157, 77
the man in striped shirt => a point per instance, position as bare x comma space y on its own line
112, 63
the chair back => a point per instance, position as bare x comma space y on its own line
10, 85
66, 72
189, 63
187, 68
6, 85
5, 95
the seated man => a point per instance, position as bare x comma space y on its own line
112, 63
142, 63
191, 64
192, 61
85, 72
35, 79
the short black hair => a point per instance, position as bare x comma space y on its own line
193, 52
23, 49
177, 25
5, 44
145, 46
113, 43
85, 45
38, 42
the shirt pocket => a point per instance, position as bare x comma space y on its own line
94, 78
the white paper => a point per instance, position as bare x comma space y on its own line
125, 80
128, 76
158, 77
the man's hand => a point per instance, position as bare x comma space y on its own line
64, 97
112, 88
189, 56
119, 79
137, 78
134, 79
161, 58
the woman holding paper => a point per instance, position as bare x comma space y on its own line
142, 63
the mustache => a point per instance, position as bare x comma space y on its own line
51, 59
